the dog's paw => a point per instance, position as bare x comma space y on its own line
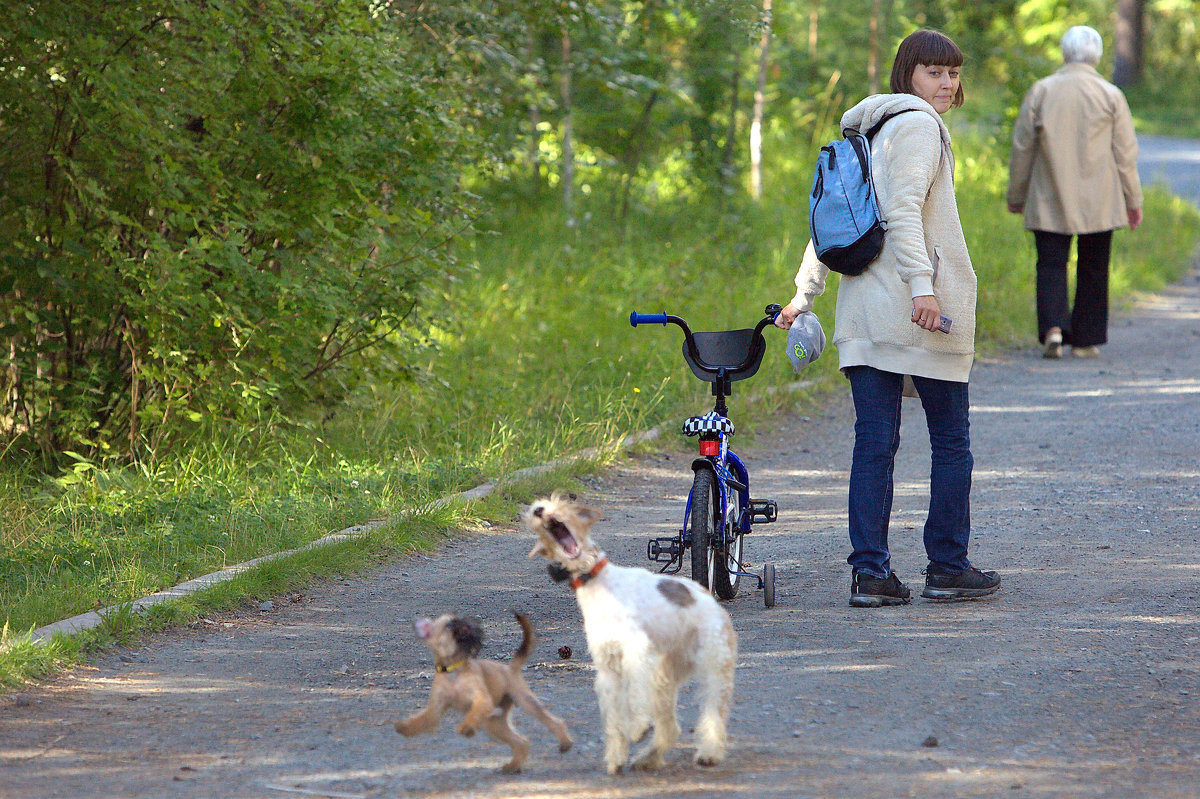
466, 730
708, 760
651, 761
403, 728
565, 746
511, 767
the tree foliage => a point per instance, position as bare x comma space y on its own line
231, 208
206, 207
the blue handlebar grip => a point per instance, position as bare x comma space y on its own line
636, 319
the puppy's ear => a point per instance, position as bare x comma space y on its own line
588, 515
423, 628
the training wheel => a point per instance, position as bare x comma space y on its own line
769, 585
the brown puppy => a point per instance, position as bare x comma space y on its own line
483, 690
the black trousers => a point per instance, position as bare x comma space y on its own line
1086, 324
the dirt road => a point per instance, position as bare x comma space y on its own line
1079, 679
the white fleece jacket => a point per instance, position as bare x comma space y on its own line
924, 252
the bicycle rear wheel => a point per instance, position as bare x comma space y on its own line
706, 521
727, 556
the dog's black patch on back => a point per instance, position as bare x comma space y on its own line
676, 592
468, 634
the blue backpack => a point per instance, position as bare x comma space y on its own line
843, 212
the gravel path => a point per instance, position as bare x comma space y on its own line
1078, 680
1173, 161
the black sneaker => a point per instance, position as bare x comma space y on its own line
964, 585
873, 592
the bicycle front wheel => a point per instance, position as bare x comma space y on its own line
705, 526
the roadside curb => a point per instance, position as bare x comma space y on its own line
94, 618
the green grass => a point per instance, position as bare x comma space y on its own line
22, 660
541, 363
1157, 107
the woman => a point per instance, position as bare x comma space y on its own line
1074, 173
887, 329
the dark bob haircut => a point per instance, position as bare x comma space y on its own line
931, 48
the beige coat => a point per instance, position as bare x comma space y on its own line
924, 253
1074, 155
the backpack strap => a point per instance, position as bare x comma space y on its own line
870, 134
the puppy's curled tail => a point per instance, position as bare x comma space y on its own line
522, 654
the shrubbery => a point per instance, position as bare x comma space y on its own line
205, 209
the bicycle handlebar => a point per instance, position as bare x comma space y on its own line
635, 318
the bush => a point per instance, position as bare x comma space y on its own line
206, 211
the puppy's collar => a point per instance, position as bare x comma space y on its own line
452, 667
580, 580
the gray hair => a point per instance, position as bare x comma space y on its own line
1082, 44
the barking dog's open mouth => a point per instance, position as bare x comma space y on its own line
564, 538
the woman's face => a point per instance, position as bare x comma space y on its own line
936, 85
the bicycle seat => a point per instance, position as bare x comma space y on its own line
708, 423
730, 349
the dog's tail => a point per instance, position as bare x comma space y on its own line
522, 654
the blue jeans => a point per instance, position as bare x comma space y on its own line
877, 397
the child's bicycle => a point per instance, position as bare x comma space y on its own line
719, 509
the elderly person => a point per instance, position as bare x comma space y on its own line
1074, 173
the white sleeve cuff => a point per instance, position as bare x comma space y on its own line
921, 286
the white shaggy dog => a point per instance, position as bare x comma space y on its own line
647, 634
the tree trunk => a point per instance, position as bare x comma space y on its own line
727, 168
873, 50
535, 145
535, 118
756, 188
1128, 42
568, 153
632, 156
814, 13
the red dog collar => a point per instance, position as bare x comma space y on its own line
581, 579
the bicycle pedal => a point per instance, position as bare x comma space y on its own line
664, 550
762, 511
